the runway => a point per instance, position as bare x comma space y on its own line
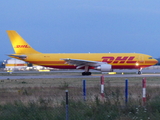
75, 76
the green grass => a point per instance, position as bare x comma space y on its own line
81, 110
44, 99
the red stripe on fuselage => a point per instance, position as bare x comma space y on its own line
151, 62
129, 66
47, 62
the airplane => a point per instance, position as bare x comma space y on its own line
104, 62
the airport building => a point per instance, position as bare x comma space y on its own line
15, 64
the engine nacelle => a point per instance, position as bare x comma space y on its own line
104, 68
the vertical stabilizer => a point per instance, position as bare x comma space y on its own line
19, 45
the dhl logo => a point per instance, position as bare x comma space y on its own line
22, 46
119, 59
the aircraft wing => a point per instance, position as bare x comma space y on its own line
81, 63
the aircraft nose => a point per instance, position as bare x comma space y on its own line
157, 61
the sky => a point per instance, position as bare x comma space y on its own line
82, 26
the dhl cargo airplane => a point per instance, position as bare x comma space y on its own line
104, 62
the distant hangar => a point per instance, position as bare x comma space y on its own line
15, 64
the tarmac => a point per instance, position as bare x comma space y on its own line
120, 73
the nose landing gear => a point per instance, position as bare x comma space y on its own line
139, 71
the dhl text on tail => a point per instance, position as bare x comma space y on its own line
104, 62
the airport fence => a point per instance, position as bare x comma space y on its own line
56, 104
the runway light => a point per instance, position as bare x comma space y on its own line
137, 64
111, 73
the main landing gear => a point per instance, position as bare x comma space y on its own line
86, 71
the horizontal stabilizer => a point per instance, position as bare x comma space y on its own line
18, 56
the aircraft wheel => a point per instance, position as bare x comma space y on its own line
89, 73
83, 73
139, 72
86, 73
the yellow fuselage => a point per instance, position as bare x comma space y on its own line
117, 60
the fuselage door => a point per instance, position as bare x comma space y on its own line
141, 59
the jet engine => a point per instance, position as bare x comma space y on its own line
104, 68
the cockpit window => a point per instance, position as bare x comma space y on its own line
150, 58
